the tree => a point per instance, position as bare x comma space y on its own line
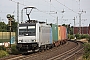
63, 25
14, 26
69, 29
3, 27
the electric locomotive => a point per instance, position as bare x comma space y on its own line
34, 35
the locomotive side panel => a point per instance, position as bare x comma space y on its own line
44, 35
37, 32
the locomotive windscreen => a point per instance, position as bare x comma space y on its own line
27, 30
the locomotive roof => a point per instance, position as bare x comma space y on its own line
25, 24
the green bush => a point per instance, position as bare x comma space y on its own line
14, 50
71, 37
89, 38
3, 53
68, 36
2, 48
77, 35
82, 36
87, 51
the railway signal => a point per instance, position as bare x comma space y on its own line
10, 18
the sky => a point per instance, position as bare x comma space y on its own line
46, 10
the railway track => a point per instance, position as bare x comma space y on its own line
40, 55
68, 54
62, 52
13, 57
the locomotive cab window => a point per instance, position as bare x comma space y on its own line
31, 30
22, 30
27, 29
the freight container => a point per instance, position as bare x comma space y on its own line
59, 33
76, 30
54, 32
62, 30
89, 29
63, 33
51, 41
66, 32
84, 30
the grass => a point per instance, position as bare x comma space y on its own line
3, 53
87, 51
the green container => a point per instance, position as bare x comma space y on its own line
54, 32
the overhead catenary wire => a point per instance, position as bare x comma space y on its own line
19, 3
77, 2
66, 6
46, 13
52, 5
61, 4
36, 8
47, 2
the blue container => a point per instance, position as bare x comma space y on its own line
51, 40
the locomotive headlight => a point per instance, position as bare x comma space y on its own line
34, 40
21, 40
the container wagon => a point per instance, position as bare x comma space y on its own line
62, 34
